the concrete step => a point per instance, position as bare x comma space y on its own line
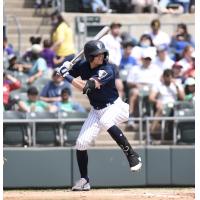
27, 21
30, 12
19, 3
29, 29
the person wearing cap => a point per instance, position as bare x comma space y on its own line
52, 90
140, 77
33, 104
112, 42
164, 92
189, 89
162, 60
158, 36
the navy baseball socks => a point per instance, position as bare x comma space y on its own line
132, 157
83, 183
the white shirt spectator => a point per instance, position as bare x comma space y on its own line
141, 75
113, 45
160, 38
162, 65
185, 64
137, 52
166, 94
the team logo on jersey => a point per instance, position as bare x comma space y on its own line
102, 74
99, 45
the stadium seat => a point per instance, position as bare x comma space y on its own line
71, 130
15, 134
40, 83
19, 95
185, 129
46, 133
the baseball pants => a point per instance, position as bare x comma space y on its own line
105, 118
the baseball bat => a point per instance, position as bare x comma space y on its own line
99, 35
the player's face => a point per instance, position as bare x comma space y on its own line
98, 60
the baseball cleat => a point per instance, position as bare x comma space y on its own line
134, 162
81, 185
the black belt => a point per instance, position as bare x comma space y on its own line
102, 106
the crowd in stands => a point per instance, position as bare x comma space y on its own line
158, 65
124, 6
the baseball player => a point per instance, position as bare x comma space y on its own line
108, 110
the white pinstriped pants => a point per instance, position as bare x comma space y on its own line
105, 118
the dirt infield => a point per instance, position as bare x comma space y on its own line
103, 194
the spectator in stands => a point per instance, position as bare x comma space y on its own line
127, 60
192, 6
7, 51
126, 36
169, 7
28, 54
176, 69
121, 6
66, 104
187, 60
52, 90
98, 6
141, 77
48, 54
10, 83
62, 38
158, 37
33, 104
180, 39
184, 3
112, 42
163, 61
145, 44
38, 66
166, 92
7, 48
190, 89
143, 6
13, 64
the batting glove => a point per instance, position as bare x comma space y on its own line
63, 70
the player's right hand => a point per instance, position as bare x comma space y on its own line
63, 70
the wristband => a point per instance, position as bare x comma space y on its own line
69, 78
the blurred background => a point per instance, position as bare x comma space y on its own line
152, 45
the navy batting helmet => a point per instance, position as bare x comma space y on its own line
93, 48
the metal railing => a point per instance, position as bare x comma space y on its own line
61, 121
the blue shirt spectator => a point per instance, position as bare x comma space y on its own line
52, 90
127, 60
180, 40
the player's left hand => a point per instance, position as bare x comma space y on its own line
97, 84
64, 69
